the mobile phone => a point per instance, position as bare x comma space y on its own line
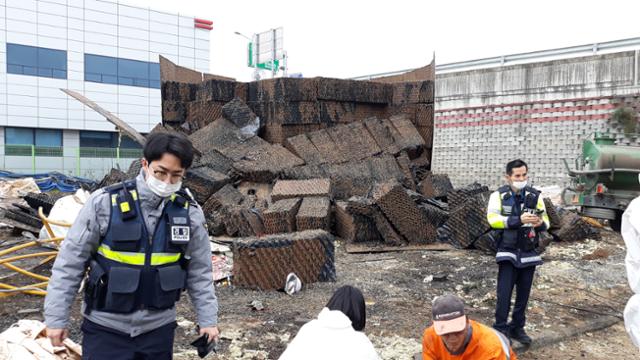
204, 346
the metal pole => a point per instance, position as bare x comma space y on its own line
77, 161
635, 70
33, 159
273, 55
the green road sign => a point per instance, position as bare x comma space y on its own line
270, 65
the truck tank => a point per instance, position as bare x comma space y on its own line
602, 153
606, 178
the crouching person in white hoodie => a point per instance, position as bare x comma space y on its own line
631, 235
337, 333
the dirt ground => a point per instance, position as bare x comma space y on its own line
574, 312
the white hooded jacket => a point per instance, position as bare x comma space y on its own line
330, 336
631, 234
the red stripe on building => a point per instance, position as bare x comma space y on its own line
522, 111
203, 26
525, 121
528, 103
203, 21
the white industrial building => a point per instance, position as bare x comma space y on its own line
106, 50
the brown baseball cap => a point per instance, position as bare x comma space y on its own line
448, 314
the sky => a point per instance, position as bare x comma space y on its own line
348, 38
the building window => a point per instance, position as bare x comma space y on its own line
111, 70
98, 144
28, 142
36, 61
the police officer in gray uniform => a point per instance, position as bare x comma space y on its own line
140, 243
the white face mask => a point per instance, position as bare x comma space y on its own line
161, 188
519, 184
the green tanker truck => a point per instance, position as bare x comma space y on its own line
605, 179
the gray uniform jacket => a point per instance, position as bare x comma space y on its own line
82, 242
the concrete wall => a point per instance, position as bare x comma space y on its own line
539, 112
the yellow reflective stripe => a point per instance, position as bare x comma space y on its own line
545, 216
164, 258
494, 212
132, 258
134, 194
124, 257
496, 221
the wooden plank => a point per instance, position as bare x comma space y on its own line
119, 123
364, 248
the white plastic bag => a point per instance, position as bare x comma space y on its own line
65, 209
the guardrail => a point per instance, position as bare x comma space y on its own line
579, 50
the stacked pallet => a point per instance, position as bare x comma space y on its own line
288, 107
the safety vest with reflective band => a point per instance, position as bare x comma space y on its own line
131, 270
516, 243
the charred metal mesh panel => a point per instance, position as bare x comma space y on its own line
554, 218
403, 212
263, 263
280, 217
314, 213
286, 189
458, 197
468, 220
435, 185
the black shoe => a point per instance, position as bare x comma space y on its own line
520, 336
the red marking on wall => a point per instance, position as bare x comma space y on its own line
488, 116
203, 21
203, 24
526, 120
525, 111
530, 103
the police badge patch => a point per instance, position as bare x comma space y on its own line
179, 234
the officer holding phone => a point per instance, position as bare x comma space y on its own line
518, 212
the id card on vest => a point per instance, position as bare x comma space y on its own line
180, 235
180, 231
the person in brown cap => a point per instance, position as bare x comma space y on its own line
454, 336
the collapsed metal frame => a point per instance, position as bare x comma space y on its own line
7, 257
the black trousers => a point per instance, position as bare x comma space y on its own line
102, 343
508, 277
